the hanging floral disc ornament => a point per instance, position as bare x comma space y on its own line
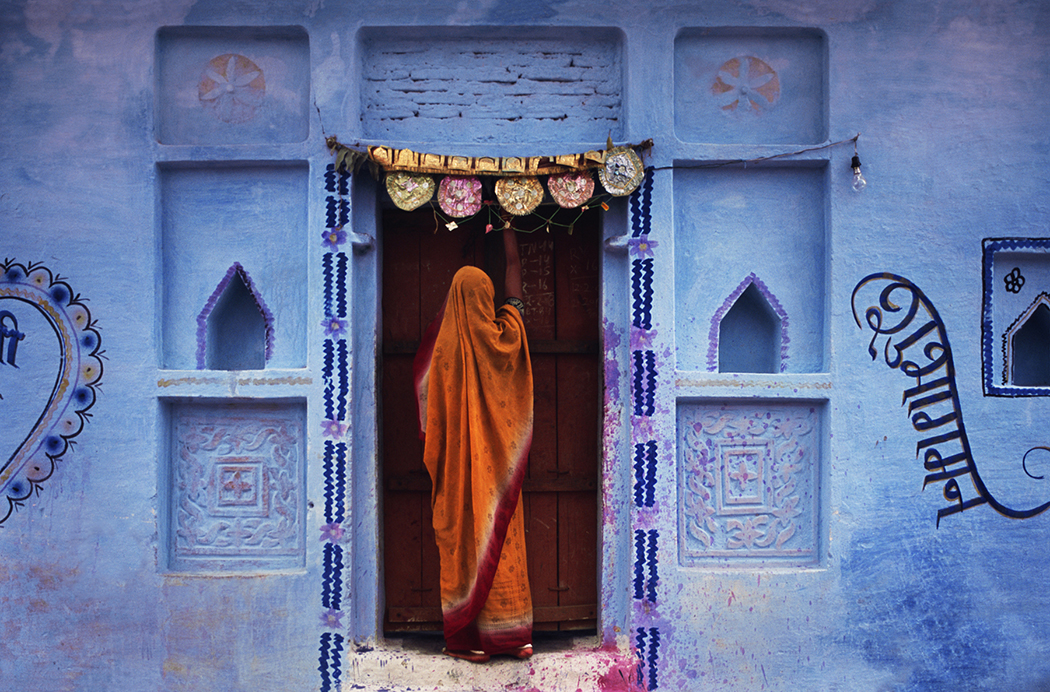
460, 196
409, 190
519, 196
570, 190
622, 172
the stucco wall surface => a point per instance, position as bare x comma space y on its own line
176, 525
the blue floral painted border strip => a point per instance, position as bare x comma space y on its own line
335, 376
330, 661
644, 383
645, 474
646, 576
642, 292
647, 643
644, 378
641, 206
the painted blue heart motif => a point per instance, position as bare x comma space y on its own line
50, 365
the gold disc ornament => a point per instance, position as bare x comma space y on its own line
519, 196
409, 190
623, 171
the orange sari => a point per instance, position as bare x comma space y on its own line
474, 382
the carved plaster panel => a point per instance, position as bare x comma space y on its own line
237, 491
748, 483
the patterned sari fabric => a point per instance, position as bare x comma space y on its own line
474, 380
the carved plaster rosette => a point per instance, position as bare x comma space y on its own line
232, 87
746, 83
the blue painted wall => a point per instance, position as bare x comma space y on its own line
218, 529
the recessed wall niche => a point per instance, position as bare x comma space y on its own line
760, 230
232, 85
1027, 346
1016, 320
492, 84
215, 217
751, 86
235, 328
750, 332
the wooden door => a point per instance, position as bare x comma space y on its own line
560, 275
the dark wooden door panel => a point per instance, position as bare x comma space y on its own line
560, 273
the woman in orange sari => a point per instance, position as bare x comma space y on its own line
473, 378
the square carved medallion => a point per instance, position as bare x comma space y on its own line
237, 486
748, 483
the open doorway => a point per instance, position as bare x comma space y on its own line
560, 494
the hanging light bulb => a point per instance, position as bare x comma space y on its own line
859, 183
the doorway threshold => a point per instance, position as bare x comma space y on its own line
569, 663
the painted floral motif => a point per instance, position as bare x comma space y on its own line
460, 196
642, 428
746, 84
332, 532
334, 327
642, 246
332, 238
232, 87
642, 338
333, 428
748, 482
332, 618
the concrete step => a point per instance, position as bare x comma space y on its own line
560, 664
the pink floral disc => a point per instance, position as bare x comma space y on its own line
570, 190
460, 196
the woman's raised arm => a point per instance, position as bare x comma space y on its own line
512, 280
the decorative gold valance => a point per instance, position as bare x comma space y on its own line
391, 160
415, 162
519, 190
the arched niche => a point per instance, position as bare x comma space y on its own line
751, 330
1027, 346
235, 328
